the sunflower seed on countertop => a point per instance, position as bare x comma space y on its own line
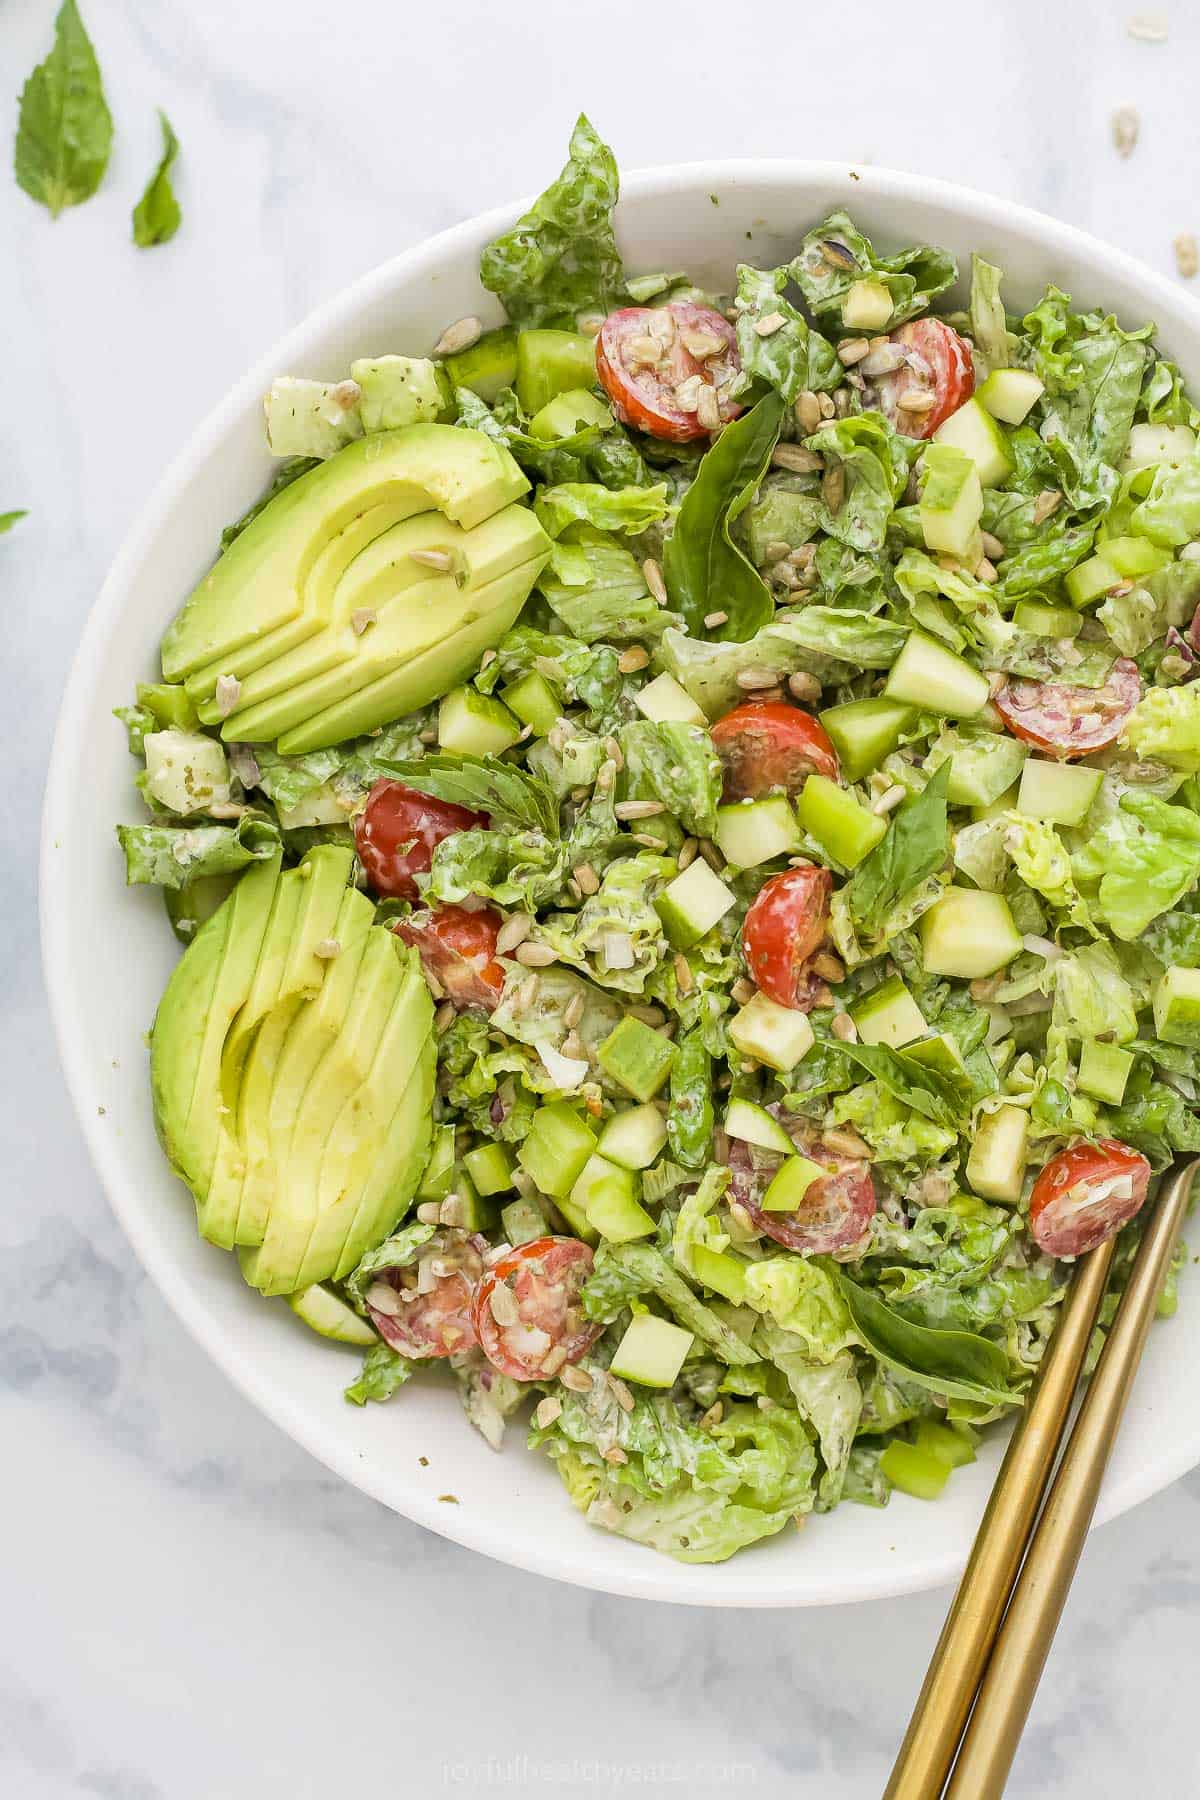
1150, 28
1125, 125
1187, 258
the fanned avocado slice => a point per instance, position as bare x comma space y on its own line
259, 584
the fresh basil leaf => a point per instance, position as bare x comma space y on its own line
960, 1363
703, 568
156, 216
9, 519
64, 131
916, 846
561, 258
792, 357
922, 1090
512, 799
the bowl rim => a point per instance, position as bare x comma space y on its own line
482, 1530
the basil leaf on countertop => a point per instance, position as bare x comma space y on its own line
156, 216
64, 129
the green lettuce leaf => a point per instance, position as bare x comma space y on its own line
703, 568
383, 1371
396, 1252
986, 313
561, 258
792, 357
1170, 513
1164, 726
589, 503
174, 856
1093, 372
622, 908
677, 764
64, 129
801, 1296
835, 254
1042, 862
596, 587
1092, 998
1144, 858
156, 216
622, 1273
1137, 619
874, 460
896, 1132
690, 1119
827, 1395
829, 642
960, 1363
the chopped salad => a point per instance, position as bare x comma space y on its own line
683, 811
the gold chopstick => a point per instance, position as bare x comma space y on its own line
974, 1622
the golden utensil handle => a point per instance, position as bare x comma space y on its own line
960, 1658
1023, 1642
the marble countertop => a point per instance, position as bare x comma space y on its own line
191, 1608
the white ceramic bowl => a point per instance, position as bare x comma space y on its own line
108, 950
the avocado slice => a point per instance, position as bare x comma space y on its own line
338, 661
411, 684
258, 585
207, 988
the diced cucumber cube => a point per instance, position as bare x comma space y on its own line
951, 503
1059, 793
170, 704
1089, 581
488, 366
982, 768
1044, 620
1132, 557
754, 1125
633, 1138
867, 305
944, 1442
637, 1057
186, 771
400, 390
974, 431
552, 362
1011, 394
324, 1313
914, 1471
996, 809
968, 933
725, 1275
939, 1053
864, 732
1103, 1070
556, 1148
320, 806
439, 1170
786, 1192
692, 904
652, 1352
581, 760
927, 675
757, 831
571, 411
522, 1221
490, 1167
1151, 444
772, 1034
467, 1208
663, 700
534, 702
473, 724
608, 1195
577, 1220
831, 815
996, 1161
1177, 1007
889, 1015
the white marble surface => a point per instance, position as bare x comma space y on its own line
190, 1608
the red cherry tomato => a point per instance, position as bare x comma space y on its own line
835, 1212
786, 922
398, 832
437, 1321
1085, 1194
937, 362
654, 362
1071, 721
458, 948
767, 744
541, 1281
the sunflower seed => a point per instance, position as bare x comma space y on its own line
441, 560
852, 350
683, 974
633, 659
807, 409
803, 686
713, 1416
713, 619
514, 931
444, 1017
573, 1011
502, 1303
638, 809
613, 751
614, 1454
1125, 124
536, 956
844, 1028
828, 409
652, 575
758, 678
382, 1297
711, 855
621, 1394
227, 693
587, 879
459, 336
888, 801
708, 409
845, 1143
687, 393
578, 1380
430, 1212
1047, 502
1150, 28
986, 570
327, 949
687, 854
833, 487
703, 344
776, 550
547, 1411
992, 546
917, 400
796, 458
743, 990
769, 325
882, 359
1187, 258
828, 966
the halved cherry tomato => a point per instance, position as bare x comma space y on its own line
398, 832
541, 1282
430, 1314
1071, 721
654, 362
835, 1212
766, 744
1085, 1194
937, 363
785, 924
458, 948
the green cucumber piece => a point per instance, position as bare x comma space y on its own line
633, 1138
754, 1125
996, 809
1044, 620
533, 701
171, 705
439, 1170
1089, 581
522, 1221
1011, 394
663, 700
951, 504
692, 904
945, 1442
637, 1057
329, 1317
996, 1161
867, 305
832, 816
1103, 1070
725, 1275
983, 768
889, 1015
968, 933
974, 431
1058, 793
770, 1033
939, 1053
1151, 444
927, 675
652, 1352
786, 1192
490, 1167
488, 366
1133, 556
914, 1471
1177, 1007
864, 732
756, 831
571, 411
473, 724
608, 1196
550, 363
556, 1148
